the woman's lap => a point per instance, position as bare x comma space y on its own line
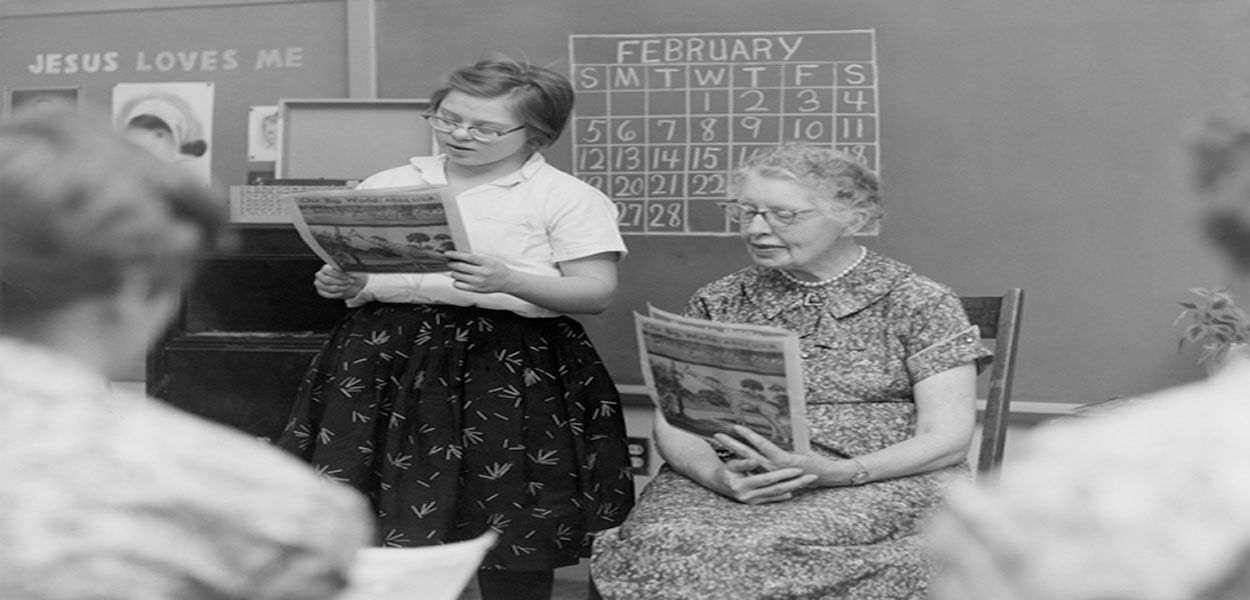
683, 540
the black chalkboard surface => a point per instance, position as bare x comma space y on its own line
1021, 144
657, 271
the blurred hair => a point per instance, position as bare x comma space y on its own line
1219, 153
828, 174
541, 98
81, 208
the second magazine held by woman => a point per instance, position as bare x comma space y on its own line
706, 376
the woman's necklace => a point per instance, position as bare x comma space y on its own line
863, 251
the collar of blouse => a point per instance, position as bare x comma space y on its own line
875, 276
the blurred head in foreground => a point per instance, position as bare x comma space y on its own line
97, 237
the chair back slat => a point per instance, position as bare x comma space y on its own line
998, 317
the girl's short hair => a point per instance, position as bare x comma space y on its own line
542, 98
829, 175
81, 208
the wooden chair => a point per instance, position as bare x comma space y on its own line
999, 320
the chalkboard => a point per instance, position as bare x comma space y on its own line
1021, 144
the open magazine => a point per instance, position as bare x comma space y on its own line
705, 377
389, 230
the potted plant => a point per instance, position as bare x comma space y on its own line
1215, 325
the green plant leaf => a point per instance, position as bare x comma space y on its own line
1212, 324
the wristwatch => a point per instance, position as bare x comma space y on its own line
861, 474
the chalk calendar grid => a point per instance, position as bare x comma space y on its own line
661, 119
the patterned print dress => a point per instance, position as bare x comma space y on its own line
458, 420
866, 340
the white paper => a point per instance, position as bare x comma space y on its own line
422, 573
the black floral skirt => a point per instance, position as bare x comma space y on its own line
455, 421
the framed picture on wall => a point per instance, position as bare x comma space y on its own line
19, 99
173, 120
262, 133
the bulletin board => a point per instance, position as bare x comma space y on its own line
251, 53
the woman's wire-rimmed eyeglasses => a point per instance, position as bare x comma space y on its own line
744, 214
479, 133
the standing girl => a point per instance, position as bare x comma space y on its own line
465, 402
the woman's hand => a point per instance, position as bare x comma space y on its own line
741, 480
479, 273
338, 285
767, 456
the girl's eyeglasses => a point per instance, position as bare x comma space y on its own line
479, 133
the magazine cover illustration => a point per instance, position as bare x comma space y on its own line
707, 377
396, 230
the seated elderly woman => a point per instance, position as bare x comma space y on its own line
889, 371
109, 494
1147, 501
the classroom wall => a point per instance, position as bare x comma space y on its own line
1023, 144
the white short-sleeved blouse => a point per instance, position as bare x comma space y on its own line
531, 219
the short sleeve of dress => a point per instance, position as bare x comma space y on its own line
941, 338
717, 301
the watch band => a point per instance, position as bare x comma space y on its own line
861, 474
